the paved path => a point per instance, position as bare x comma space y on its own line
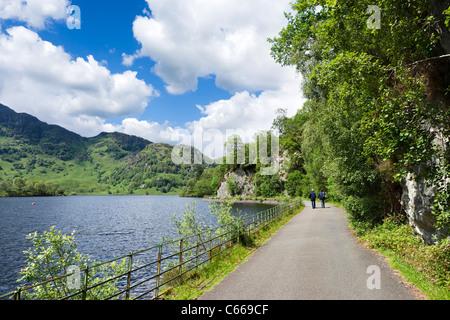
314, 256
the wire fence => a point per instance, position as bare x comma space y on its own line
147, 273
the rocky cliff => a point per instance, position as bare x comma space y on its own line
243, 181
418, 196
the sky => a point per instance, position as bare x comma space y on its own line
169, 71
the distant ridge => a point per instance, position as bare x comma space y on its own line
109, 163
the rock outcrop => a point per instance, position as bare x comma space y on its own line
243, 181
418, 197
416, 202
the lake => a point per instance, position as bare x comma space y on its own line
105, 227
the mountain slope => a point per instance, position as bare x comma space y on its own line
39, 137
109, 163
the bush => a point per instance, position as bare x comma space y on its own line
194, 229
232, 186
54, 255
193, 223
293, 184
268, 186
364, 210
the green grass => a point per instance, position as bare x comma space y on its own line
197, 282
410, 273
425, 266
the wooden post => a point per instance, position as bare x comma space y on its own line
17, 293
130, 264
85, 285
210, 246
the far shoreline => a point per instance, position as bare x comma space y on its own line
271, 202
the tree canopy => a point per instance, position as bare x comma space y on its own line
377, 103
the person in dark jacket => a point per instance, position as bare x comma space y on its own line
312, 196
322, 197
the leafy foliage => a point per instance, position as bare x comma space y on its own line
52, 256
376, 101
240, 155
204, 182
194, 229
21, 187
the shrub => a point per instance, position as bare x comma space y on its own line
293, 184
232, 186
363, 210
53, 255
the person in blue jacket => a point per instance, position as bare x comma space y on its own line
322, 197
312, 196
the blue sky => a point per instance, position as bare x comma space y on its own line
152, 68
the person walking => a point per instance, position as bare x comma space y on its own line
322, 197
312, 197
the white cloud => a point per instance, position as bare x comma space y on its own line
249, 111
187, 40
227, 38
149, 130
42, 79
35, 13
128, 60
244, 114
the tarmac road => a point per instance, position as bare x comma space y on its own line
314, 256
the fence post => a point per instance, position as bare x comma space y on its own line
238, 231
17, 293
196, 251
181, 258
85, 285
130, 263
210, 246
158, 271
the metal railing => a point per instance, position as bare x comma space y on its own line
148, 278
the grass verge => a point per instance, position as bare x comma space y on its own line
425, 266
195, 283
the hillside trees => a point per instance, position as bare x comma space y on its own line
251, 157
20, 187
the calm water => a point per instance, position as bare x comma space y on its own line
105, 227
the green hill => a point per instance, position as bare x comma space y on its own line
110, 163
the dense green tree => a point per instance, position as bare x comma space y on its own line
268, 186
21, 187
294, 184
375, 98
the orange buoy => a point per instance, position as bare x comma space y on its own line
34, 203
